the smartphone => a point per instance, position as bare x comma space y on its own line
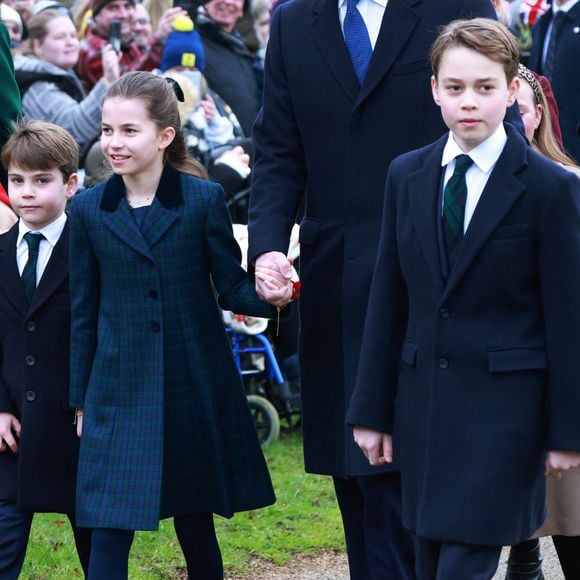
115, 35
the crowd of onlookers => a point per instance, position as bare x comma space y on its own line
65, 57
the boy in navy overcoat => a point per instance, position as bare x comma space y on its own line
470, 360
38, 443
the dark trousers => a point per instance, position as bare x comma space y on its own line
568, 550
450, 561
195, 533
14, 533
378, 546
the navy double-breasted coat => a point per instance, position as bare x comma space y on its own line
167, 429
34, 376
324, 139
476, 374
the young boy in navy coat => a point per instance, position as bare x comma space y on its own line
470, 351
38, 442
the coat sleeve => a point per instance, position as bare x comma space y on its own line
235, 292
560, 284
279, 174
84, 293
373, 401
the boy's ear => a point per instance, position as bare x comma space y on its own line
166, 137
513, 89
72, 185
435, 90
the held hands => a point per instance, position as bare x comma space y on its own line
274, 278
376, 446
558, 461
9, 432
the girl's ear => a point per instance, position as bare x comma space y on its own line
166, 137
36, 48
539, 114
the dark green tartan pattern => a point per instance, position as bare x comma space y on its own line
167, 429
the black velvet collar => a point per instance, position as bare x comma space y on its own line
168, 192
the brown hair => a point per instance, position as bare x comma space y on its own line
37, 145
544, 139
38, 29
483, 35
158, 96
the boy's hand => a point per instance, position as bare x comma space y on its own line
9, 432
377, 446
558, 461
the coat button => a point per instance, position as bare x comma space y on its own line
444, 313
443, 363
155, 326
30, 396
153, 293
30, 360
31, 326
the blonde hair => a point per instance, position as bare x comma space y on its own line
37, 145
38, 28
483, 35
158, 96
544, 139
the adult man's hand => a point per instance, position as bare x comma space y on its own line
376, 446
9, 432
273, 273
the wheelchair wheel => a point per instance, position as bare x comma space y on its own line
266, 419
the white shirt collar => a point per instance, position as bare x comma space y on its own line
485, 155
382, 3
51, 232
566, 7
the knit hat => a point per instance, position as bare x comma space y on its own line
8, 14
98, 5
183, 46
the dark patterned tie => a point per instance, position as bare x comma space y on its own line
454, 197
29, 272
357, 40
550, 61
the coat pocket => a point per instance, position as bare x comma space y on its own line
406, 68
511, 232
308, 234
409, 353
517, 359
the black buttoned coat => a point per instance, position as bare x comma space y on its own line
323, 139
34, 359
476, 374
167, 428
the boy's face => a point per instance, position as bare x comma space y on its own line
39, 196
473, 94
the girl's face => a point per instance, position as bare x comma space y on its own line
530, 112
130, 140
60, 46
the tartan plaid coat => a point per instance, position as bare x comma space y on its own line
167, 428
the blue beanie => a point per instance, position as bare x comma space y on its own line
183, 47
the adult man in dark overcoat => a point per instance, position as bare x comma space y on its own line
327, 140
564, 73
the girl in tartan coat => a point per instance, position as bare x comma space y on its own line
164, 422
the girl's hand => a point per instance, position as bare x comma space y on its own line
207, 104
9, 432
79, 421
558, 461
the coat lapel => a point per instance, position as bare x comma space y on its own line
11, 282
425, 213
328, 36
399, 22
499, 195
56, 271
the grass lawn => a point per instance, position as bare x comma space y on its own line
304, 520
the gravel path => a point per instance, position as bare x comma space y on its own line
333, 566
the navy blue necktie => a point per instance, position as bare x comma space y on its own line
550, 61
29, 272
357, 40
454, 198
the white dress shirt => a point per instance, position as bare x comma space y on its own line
51, 233
372, 12
484, 157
